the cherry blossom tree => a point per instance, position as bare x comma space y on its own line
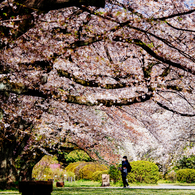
97, 79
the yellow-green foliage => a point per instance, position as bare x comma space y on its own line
115, 173
143, 171
77, 155
186, 175
43, 171
87, 171
72, 166
80, 166
58, 174
171, 176
97, 176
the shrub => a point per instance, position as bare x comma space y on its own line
186, 162
72, 166
161, 175
171, 176
80, 166
77, 155
115, 173
186, 175
87, 171
131, 177
47, 168
97, 176
143, 171
58, 174
45, 173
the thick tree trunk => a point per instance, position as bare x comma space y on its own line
13, 166
46, 5
27, 165
8, 171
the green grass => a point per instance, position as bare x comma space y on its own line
167, 182
108, 191
11, 192
81, 187
82, 183
87, 183
84, 191
96, 191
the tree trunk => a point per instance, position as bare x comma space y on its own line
12, 168
8, 171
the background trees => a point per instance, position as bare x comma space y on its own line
108, 80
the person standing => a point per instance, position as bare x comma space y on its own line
126, 167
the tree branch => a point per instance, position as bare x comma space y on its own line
179, 28
174, 111
155, 55
174, 15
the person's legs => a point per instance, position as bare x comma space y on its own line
124, 178
126, 181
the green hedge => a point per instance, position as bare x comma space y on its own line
186, 162
97, 176
72, 166
80, 166
87, 171
144, 172
186, 175
115, 173
76, 156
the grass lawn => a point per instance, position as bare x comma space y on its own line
82, 183
84, 191
87, 183
11, 192
82, 187
100, 191
175, 183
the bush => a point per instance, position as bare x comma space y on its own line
80, 166
186, 175
143, 171
87, 171
77, 155
171, 176
115, 173
72, 166
81, 173
161, 175
186, 162
48, 168
97, 176
58, 174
